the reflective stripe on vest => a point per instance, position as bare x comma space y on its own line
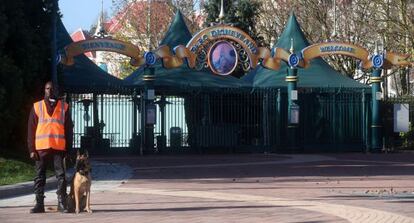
50, 136
50, 131
61, 120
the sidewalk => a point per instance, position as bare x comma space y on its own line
106, 175
241, 188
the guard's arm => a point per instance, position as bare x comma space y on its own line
31, 134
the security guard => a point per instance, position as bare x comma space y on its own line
50, 132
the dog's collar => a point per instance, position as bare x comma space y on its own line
84, 173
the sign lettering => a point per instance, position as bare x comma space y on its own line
77, 48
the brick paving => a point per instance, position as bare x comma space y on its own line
242, 188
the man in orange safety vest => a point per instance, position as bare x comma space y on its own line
50, 132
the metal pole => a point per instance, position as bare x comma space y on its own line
291, 78
96, 135
376, 127
134, 119
53, 47
278, 118
363, 124
265, 121
143, 109
162, 108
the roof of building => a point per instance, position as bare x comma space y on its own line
318, 75
80, 35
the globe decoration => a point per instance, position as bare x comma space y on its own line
222, 58
377, 60
150, 58
293, 60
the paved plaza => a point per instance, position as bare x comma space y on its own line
240, 188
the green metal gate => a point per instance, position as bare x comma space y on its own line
104, 123
228, 120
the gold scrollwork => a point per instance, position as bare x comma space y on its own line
80, 47
336, 48
181, 52
352, 50
397, 59
273, 62
172, 61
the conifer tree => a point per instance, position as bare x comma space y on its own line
24, 66
240, 13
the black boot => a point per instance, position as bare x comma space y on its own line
40, 206
62, 203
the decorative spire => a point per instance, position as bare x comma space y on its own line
102, 10
221, 16
291, 50
100, 31
376, 48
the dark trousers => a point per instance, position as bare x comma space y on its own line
46, 157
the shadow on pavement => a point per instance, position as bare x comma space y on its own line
186, 209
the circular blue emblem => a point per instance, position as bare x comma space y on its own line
377, 60
150, 58
293, 60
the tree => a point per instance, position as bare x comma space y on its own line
241, 14
191, 11
24, 65
144, 24
360, 22
397, 31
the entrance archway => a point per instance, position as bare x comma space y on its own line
112, 45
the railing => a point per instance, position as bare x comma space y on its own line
114, 114
242, 121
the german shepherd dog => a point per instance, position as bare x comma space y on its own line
79, 197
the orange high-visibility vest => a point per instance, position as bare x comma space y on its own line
50, 131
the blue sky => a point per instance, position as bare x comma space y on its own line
82, 13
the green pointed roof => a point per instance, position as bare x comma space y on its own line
84, 76
318, 75
178, 32
292, 30
181, 78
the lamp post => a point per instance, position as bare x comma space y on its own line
163, 139
148, 107
293, 108
376, 126
86, 103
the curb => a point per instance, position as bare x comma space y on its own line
25, 188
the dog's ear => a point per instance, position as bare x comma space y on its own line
86, 153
